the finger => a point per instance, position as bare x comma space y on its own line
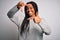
21, 3
36, 13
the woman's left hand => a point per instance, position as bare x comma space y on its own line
37, 19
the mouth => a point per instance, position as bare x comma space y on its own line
29, 12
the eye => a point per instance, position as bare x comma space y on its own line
27, 9
30, 7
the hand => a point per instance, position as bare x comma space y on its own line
20, 5
37, 19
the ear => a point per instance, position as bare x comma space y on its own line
36, 13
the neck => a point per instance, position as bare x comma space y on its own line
32, 17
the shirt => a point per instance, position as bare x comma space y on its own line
33, 31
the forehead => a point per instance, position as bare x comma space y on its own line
29, 5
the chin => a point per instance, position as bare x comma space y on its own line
30, 15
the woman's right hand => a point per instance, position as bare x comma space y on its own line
20, 5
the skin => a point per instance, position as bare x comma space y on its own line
30, 11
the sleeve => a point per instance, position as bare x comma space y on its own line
13, 16
44, 26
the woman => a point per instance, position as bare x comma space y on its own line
30, 27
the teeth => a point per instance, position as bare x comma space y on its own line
30, 12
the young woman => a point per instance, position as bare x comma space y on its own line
30, 27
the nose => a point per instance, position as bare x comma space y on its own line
29, 10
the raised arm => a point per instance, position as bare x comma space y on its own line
15, 9
11, 13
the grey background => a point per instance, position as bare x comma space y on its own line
48, 9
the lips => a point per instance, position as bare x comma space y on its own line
29, 12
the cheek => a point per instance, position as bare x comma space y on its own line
33, 11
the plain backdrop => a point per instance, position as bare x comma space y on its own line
48, 9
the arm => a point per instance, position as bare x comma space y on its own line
13, 16
45, 27
12, 12
15, 9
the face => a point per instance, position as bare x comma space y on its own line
30, 10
